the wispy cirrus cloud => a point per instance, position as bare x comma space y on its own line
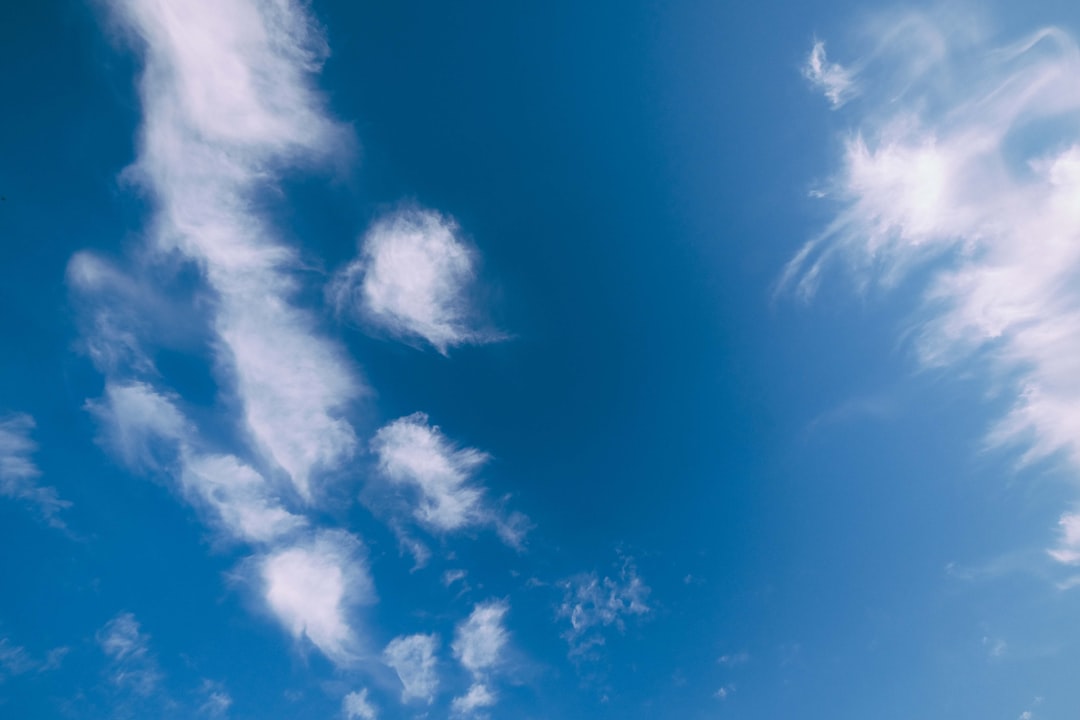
962, 170
834, 80
413, 659
228, 103
356, 706
19, 473
415, 454
479, 644
313, 586
413, 278
592, 603
229, 106
132, 665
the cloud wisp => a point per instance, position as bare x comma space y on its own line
19, 473
414, 454
961, 172
592, 603
479, 644
414, 278
412, 657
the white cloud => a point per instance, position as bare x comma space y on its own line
479, 641
413, 278
19, 473
413, 659
313, 587
966, 165
836, 81
132, 666
146, 429
1068, 550
591, 603
452, 576
227, 101
356, 706
478, 697
14, 660
733, 660
217, 700
412, 452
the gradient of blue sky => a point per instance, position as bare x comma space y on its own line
544, 360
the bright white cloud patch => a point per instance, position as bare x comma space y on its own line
356, 706
227, 101
479, 640
479, 644
591, 603
413, 659
314, 586
413, 278
836, 81
965, 163
19, 473
412, 452
478, 698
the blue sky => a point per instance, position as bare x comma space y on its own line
540, 360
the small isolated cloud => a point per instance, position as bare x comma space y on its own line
413, 659
19, 473
1068, 549
836, 81
452, 576
132, 666
480, 640
414, 279
356, 706
313, 587
478, 697
415, 454
16, 660
592, 603
734, 659
479, 643
960, 174
724, 693
216, 700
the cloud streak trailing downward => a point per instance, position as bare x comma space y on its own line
228, 103
479, 643
962, 171
19, 473
413, 279
228, 106
416, 455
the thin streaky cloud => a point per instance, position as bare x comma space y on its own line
19, 473
947, 179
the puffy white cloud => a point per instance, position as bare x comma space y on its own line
356, 706
132, 666
412, 452
19, 473
964, 163
413, 659
591, 603
227, 101
413, 278
836, 81
480, 640
314, 585
478, 697
136, 420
